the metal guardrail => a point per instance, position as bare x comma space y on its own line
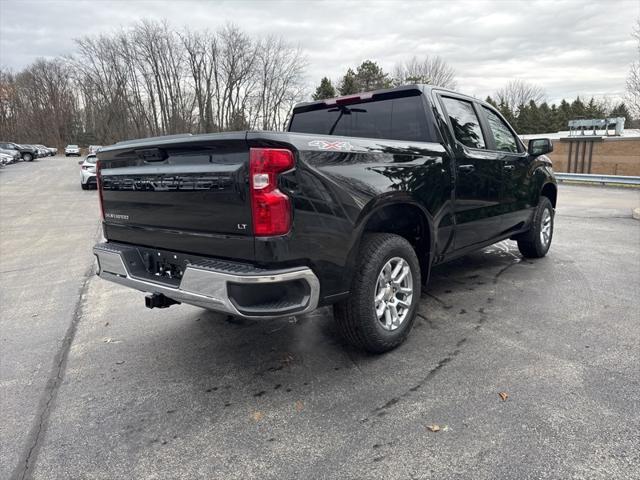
594, 178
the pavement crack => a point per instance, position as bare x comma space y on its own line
444, 304
381, 410
504, 269
53, 384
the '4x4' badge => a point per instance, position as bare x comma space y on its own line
336, 146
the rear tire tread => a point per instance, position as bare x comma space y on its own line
350, 312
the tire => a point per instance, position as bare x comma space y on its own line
84, 186
27, 157
356, 316
536, 242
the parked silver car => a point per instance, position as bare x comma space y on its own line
13, 154
88, 172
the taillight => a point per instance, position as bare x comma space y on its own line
270, 207
99, 187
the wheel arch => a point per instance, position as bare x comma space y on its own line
401, 216
550, 190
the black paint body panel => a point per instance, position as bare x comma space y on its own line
191, 194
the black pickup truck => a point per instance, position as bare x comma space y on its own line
352, 206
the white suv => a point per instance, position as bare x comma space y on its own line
72, 150
88, 172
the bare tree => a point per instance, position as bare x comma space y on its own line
432, 70
38, 103
280, 69
152, 80
633, 80
517, 93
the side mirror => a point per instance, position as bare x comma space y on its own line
539, 146
80, 162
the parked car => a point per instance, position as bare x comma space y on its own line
88, 172
72, 150
14, 154
5, 159
54, 151
27, 152
42, 151
352, 206
46, 151
94, 148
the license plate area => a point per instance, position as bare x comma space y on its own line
160, 266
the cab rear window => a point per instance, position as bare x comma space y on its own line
400, 118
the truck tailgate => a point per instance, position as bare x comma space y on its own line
188, 193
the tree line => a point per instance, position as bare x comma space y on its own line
153, 80
521, 103
524, 106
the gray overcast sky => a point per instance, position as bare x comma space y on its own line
568, 47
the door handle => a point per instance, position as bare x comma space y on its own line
466, 168
509, 167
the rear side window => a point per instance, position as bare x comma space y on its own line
464, 121
395, 119
505, 141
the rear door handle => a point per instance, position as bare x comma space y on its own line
466, 168
509, 167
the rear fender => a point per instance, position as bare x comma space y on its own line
376, 207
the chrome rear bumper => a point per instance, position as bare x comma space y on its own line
206, 283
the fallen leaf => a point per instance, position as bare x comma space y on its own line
257, 416
119, 362
434, 428
503, 396
106, 324
34, 315
445, 428
287, 359
299, 406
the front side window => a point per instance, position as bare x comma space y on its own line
464, 121
504, 139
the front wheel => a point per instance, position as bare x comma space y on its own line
536, 242
27, 157
385, 292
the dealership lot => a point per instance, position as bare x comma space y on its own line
93, 385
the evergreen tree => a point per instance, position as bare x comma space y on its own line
324, 90
621, 110
507, 113
565, 113
524, 120
578, 110
595, 109
491, 101
370, 76
556, 121
545, 119
349, 85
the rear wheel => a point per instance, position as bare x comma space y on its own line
385, 292
536, 242
27, 157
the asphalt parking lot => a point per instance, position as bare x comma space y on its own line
94, 385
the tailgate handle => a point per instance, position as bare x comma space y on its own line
152, 154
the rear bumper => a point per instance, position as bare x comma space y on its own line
233, 288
